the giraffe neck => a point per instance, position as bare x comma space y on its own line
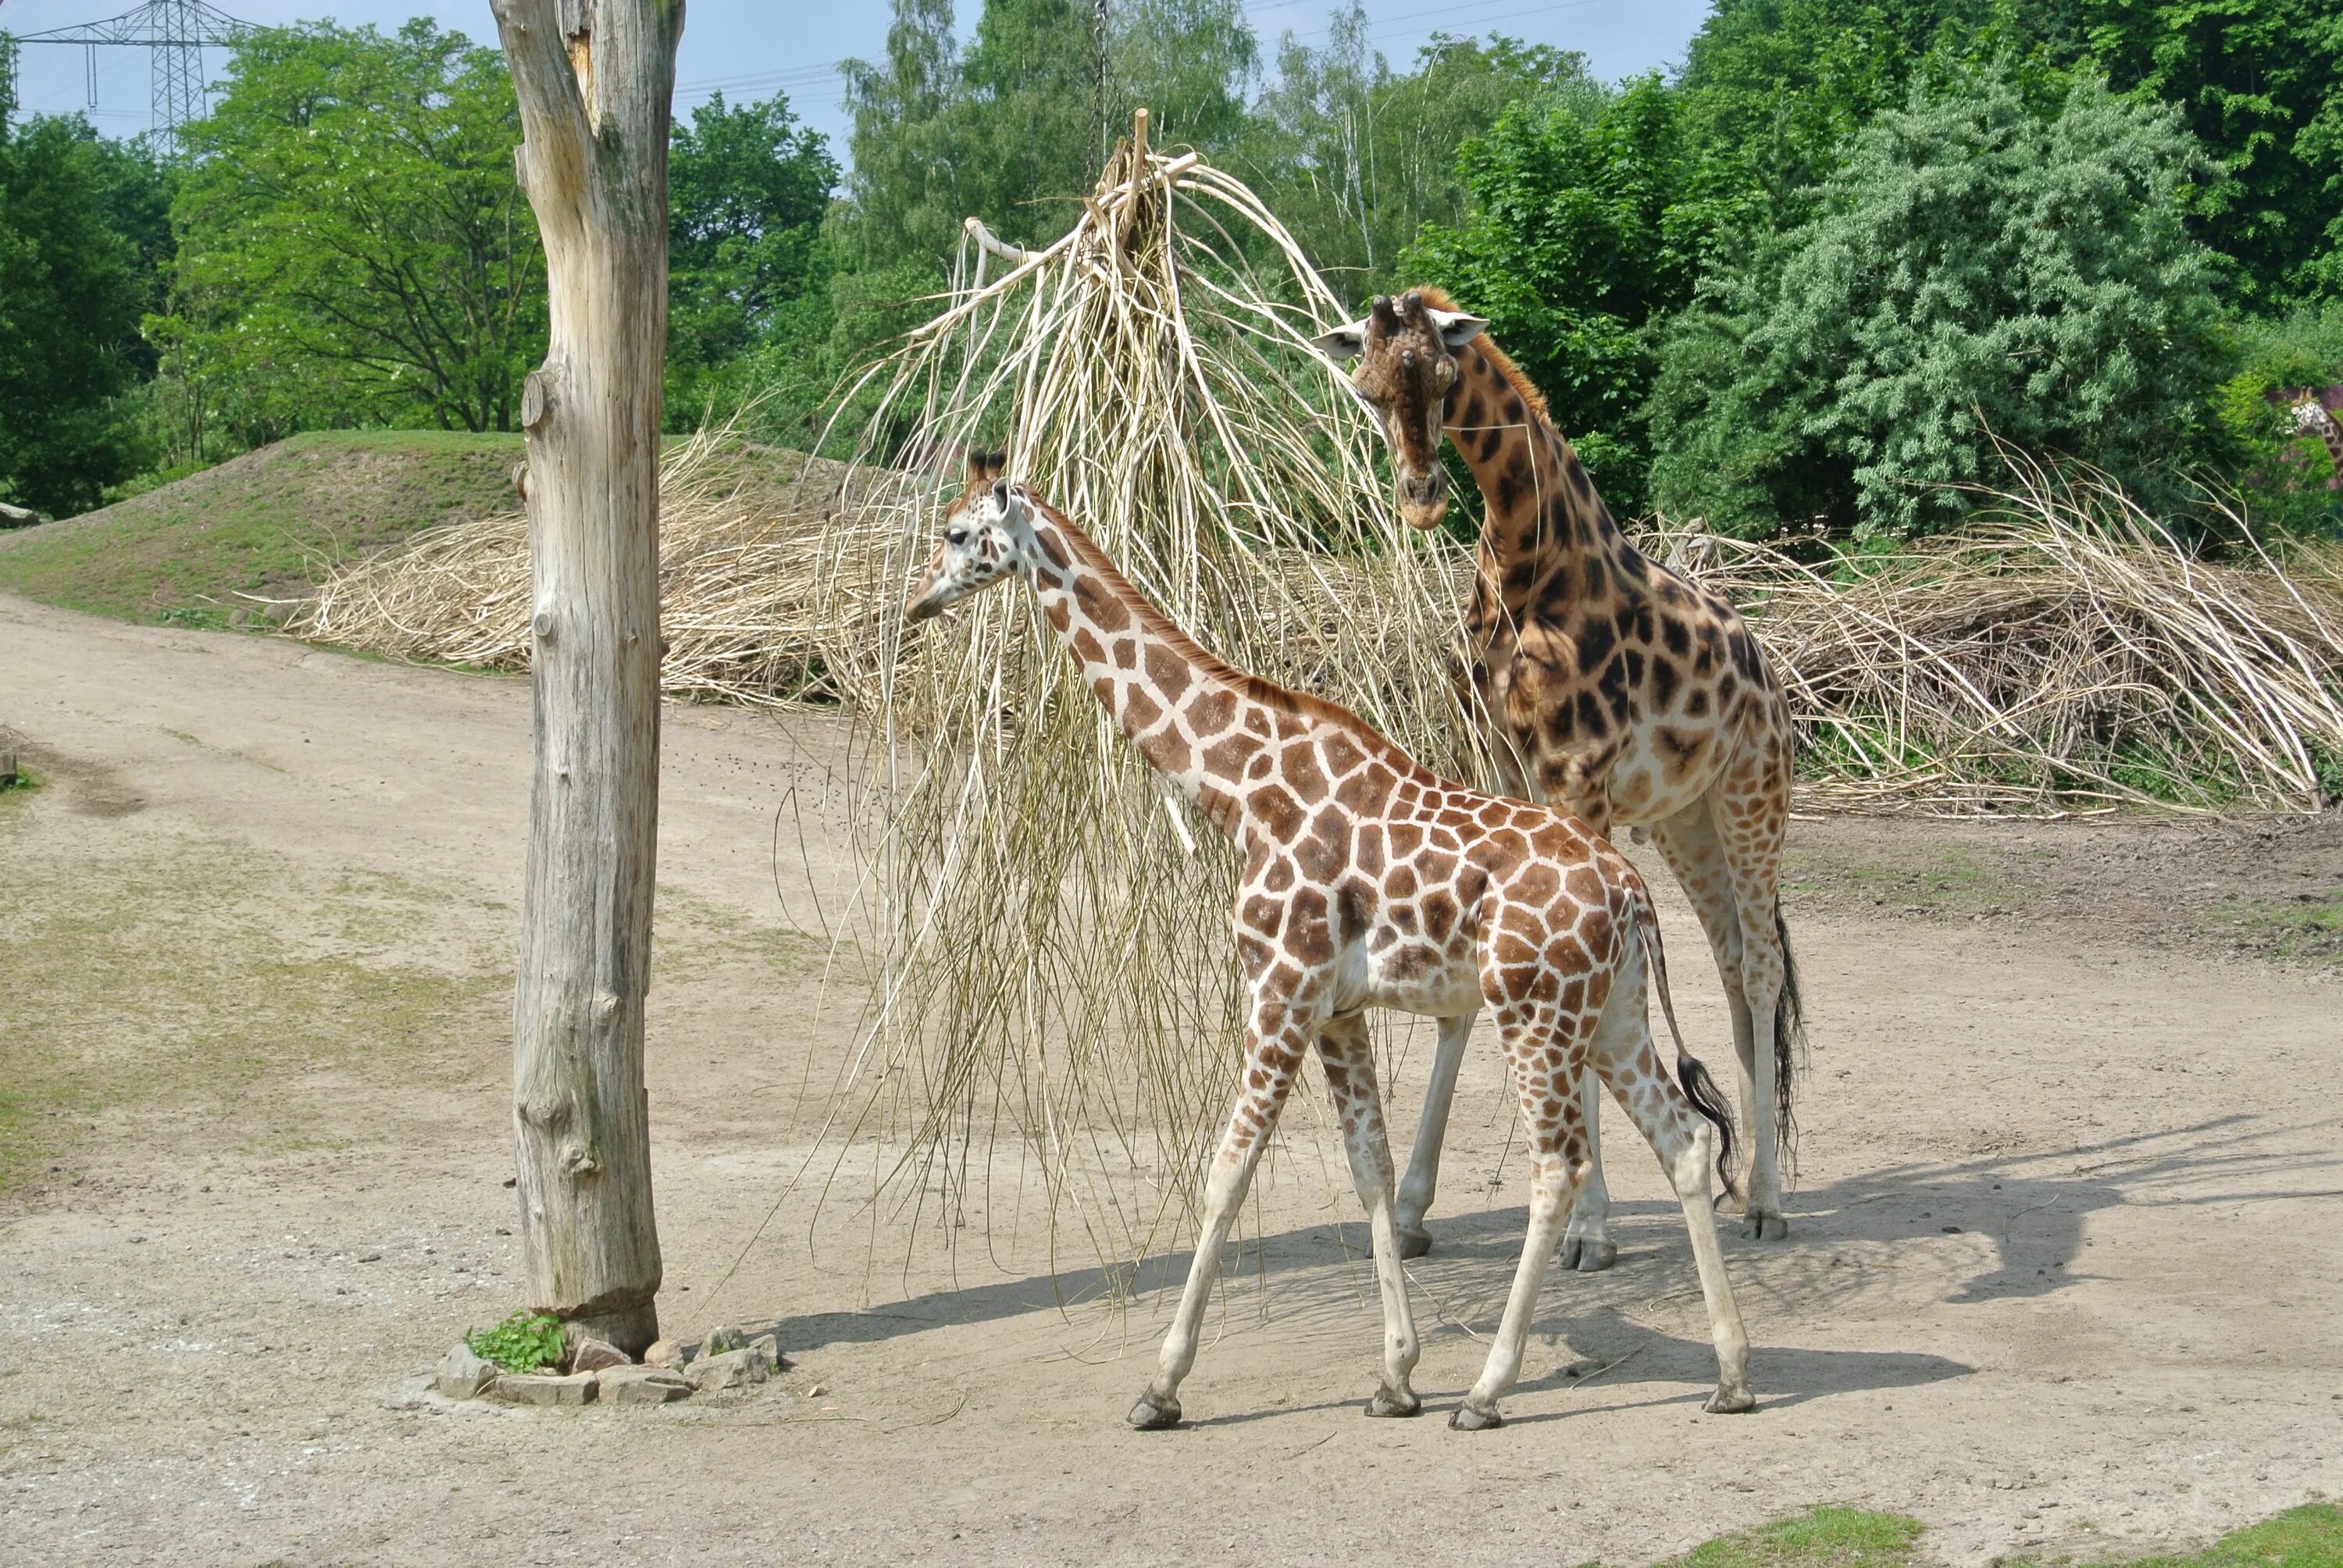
2330, 432
1198, 721
1542, 517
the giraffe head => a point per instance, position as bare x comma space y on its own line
1406, 354
988, 534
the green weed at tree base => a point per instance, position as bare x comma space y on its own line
524, 1343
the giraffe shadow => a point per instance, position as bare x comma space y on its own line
2020, 1217
1997, 1226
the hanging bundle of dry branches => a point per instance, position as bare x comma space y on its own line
2064, 648
1056, 958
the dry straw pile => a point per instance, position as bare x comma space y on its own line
2064, 651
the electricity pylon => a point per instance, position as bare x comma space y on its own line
176, 32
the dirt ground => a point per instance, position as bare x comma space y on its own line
2066, 1273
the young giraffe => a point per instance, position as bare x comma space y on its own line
1368, 881
1605, 684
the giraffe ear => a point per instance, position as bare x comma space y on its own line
1456, 328
1344, 342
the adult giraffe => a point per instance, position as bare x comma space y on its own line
1370, 882
1604, 683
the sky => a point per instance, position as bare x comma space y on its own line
749, 48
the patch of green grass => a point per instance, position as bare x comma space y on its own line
264, 524
2310, 1537
522, 1343
1822, 1537
20, 782
2310, 927
213, 990
1948, 881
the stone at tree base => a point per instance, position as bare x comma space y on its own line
463, 1375
18, 516
730, 1369
770, 1347
668, 1354
593, 1355
640, 1385
720, 1340
535, 1389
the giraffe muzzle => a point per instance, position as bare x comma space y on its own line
1424, 496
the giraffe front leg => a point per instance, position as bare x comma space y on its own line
1586, 1244
1546, 1080
1349, 1064
1423, 1179
1275, 1038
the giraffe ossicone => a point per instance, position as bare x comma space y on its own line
1607, 685
1369, 882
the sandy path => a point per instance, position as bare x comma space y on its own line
2064, 1275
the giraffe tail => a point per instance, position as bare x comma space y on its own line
1692, 1073
1789, 1046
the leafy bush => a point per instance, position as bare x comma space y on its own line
523, 1343
1975, 271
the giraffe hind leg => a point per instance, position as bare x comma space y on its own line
1695, 852
1624, 1057
1750, 825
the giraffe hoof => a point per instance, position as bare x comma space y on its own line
1730, 1402
1589, 1257
1466, 1419
1764, 1225
1386, 1402
1154, 1412
1414, 1244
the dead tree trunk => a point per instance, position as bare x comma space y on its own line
596, 80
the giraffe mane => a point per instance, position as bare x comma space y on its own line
1254, 688
1439, 298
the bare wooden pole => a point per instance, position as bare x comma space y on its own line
595, 82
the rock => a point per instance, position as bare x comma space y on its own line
18, 516
593, 1355
770, 1347
668, 1354
640, 1385
463, 1375
537, 1388
721, 1340
729, 1369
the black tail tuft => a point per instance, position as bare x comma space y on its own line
1789, 1050
1709, 1100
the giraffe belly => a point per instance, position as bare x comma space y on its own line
1405, 972
1642, 791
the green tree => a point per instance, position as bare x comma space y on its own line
1355, 158
71, 293
2260, 85
1193, 63
1974, 269
748, 189
353, 246
1585, 236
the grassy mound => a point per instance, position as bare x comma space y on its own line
267, 523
